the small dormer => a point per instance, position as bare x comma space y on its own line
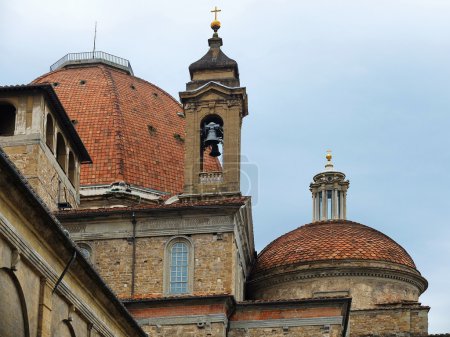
41, 140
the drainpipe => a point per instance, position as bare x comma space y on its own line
133, 262
65, 271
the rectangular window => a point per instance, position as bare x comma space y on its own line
329, 204
339, 204
319, 197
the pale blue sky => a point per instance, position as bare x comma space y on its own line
368, 79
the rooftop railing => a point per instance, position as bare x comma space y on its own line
92, 57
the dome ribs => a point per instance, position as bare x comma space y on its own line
118, 126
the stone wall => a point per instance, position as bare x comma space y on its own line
33, 254
29, 151
212, 272
186, 330
300, 331
389, 322
366, 292
384, 295
47, 179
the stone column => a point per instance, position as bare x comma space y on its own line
344, 205
45, 309
324, 205
335, 204
314, 207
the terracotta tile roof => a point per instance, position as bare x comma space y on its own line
232, 201
129, 126
331, 240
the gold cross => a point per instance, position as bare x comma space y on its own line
215, 11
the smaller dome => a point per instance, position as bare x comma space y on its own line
331, 240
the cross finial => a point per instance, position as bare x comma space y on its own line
215, 11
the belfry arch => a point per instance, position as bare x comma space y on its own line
7, 119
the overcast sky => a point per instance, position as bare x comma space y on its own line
368, 79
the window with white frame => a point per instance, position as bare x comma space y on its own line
178, 266
179, 272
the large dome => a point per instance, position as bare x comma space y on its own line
133, 130
330, 241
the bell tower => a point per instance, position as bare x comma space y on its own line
329, 193
214, 104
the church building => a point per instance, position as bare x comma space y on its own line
147, 191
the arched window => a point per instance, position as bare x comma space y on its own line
179, 266
179, 273
7, 119
211, 144
86, 250
61, 151
49, 132
72, 168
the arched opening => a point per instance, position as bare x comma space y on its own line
211, 144
61, 151
7, 119
179, 272
49, 132
178, 266
72, 168
86, 251
13, 312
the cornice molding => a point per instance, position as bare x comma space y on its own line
336, 271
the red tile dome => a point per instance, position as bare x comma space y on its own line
133, 130
331, 240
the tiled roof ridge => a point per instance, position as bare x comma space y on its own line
119, 124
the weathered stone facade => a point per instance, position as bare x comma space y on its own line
49, 156
408, 319
34, 252
221, 248
382, 292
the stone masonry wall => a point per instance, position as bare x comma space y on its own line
301, 331
112, 259
41, 173
365, 291
186, 330
212, 272
396, 321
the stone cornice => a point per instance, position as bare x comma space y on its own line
339, 271
281, 323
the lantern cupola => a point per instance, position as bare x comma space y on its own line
329, 193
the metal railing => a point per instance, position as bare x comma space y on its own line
90, 57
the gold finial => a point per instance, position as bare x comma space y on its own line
329, 156
215, 25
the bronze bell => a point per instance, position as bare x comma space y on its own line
214, 134
214, 151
